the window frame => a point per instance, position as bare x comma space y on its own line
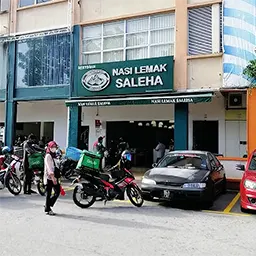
35, 3
125, 48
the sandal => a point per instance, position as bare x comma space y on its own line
51, 213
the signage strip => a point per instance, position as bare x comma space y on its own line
143, 100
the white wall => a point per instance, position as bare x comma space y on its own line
46, 111
2, 112
123, 113
211, 111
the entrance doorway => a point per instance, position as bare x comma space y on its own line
142, 137
206, 136
83, 140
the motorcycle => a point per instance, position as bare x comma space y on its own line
8, 178
98, 187
67, 167
17, 167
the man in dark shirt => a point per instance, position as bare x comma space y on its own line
29, 148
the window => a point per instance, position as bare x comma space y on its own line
184, 160
140, 38
23, 3
43, 61
4, 5
212, 162
200, 39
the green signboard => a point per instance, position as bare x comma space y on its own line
200, 98
126, 77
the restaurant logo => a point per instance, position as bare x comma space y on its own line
95, 80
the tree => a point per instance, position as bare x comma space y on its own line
45, 61
250, 72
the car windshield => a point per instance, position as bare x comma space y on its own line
252, 165
198, 161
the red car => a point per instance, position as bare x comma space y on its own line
248, 183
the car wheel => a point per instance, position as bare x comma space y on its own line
243, 210
224, 186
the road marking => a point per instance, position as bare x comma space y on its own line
227, 213
232, 203
68, 189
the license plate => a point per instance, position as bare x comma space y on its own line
167, 194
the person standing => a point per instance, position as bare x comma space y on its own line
160, 151
51, 177
29, 148
122, 146
100, 149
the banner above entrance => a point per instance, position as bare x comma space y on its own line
126, 77
198, 98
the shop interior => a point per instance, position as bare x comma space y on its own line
142, 137
39, 129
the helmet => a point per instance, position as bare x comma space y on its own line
6, 150
126, 159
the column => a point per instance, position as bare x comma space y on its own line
181, 126
41, 130
181, 46
10, 104
74, 125
251, 121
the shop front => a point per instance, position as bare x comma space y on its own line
135, 100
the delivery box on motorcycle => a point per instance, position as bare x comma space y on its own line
89, 160
36, 161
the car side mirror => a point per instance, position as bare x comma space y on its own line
154, 165
240, 167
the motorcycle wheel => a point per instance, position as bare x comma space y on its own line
135, 196
83, 196
41, 187
13, 184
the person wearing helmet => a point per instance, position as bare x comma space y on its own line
6, 150
29, 147
51, 176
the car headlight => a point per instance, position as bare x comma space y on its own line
250, 184
194, 185
148, 181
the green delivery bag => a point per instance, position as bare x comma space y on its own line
89, 160
36, 161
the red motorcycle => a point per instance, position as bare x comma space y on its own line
8, 177
94, 186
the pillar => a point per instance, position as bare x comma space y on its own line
41, 129
181, 48
251, 120
74, 125
181, 126
10, 104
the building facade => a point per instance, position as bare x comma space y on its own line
89, 70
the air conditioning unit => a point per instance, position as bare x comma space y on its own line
236, 100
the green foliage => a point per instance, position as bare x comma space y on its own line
250, 71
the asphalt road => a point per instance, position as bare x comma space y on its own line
119, 229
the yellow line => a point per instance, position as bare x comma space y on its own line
227, 213
68, 189
232, 203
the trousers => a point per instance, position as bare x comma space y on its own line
51, 199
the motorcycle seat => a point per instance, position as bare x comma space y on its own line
105, 176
